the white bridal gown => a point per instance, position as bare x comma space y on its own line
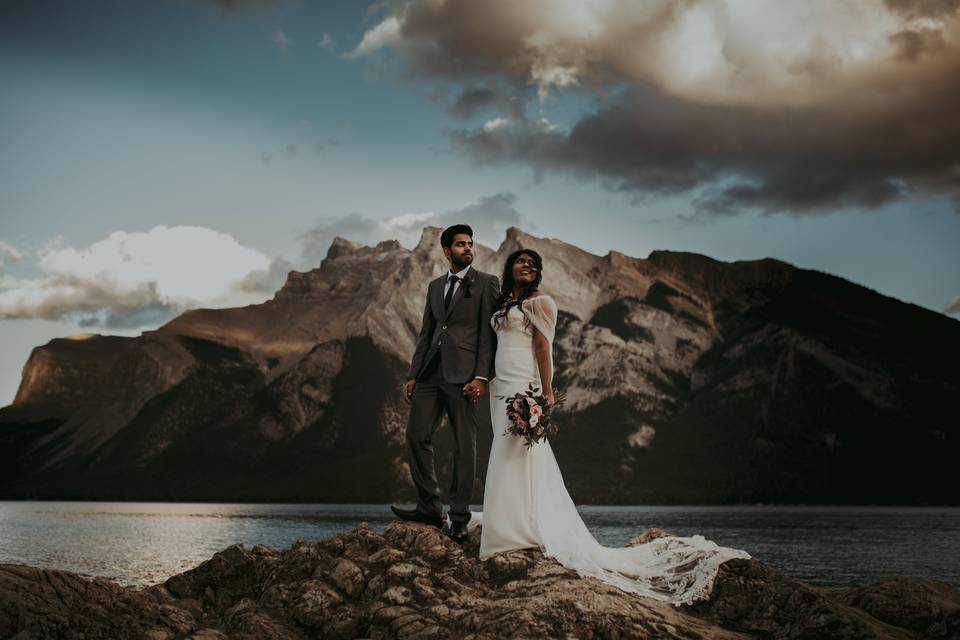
527, 505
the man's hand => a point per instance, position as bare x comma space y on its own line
474, 390
408, 389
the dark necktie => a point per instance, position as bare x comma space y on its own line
453, 283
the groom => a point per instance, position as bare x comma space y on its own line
452, 363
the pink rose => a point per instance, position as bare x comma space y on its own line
536, 411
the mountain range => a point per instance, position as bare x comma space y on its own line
689, 381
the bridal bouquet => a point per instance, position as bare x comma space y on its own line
529, 415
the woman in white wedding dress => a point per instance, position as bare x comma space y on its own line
525, 501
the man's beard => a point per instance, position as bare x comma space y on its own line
460, 266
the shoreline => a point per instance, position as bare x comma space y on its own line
411, 581
139, 543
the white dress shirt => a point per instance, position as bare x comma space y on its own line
460, 274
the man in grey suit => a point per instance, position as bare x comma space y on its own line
451, 366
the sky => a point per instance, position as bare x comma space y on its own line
166, 155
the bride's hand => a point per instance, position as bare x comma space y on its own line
550, 400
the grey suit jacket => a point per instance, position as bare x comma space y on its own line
462, 334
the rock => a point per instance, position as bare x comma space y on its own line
648, 535
511, 565
209, 634
219, 581
929, 607
42, 603
348, 578
751, 597
413, 582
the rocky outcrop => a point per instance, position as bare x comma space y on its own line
927, 607
689, 380
413, 582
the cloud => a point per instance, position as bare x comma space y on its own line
953, 308
9, 253
801, 108
489, 217
136, 279
326, 41
132, 280
265, 282
306, 137
280, 39
924, 8
384, 34
354, 226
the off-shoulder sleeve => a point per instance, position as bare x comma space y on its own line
542, 311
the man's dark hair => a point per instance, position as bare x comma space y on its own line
446, 238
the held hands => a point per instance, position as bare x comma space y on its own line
474, 390
550, 399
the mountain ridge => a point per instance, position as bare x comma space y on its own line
689, 379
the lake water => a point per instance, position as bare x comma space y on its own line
137, 543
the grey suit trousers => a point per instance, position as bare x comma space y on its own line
431, 397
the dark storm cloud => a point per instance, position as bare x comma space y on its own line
475, 100
134, 318
924, 8
817, 130
801, 161
911, 45
267, 281
92, 303
472, 100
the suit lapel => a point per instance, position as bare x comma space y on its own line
436, 294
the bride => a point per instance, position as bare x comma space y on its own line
525, 501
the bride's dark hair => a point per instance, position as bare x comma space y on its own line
506, 299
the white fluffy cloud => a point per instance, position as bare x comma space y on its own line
134, 279
9, 253
384, 34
